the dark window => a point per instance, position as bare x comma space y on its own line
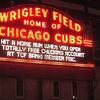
74, 85
56, 89
19, 88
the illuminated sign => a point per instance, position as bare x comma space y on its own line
43, 35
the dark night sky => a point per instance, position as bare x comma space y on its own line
91, 3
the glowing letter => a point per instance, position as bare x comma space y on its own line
3, 17
30, 35
55, 15
22, 33
65, 21
58, 37
1, 31
37, 11
38, 35
26, 22
12, 15
77, 27
45, 12
71, 24
64, 38
72, 39
10, 32
46, 36
25, 12
79, 40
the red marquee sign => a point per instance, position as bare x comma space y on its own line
41, 34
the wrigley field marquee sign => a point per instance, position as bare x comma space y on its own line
34, 33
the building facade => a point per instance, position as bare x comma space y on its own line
28, 81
